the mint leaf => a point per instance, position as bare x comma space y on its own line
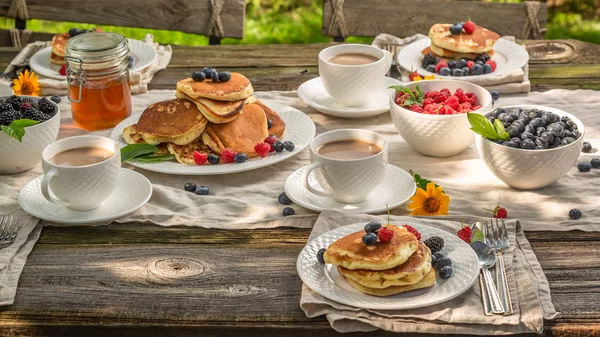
482, 126
136, 150
154, 158
16, 129
499, 126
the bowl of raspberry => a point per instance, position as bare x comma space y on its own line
38, 118
540, 145
431, 115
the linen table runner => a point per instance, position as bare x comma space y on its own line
463, 315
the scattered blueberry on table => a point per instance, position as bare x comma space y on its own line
595, 163
288, 211
584, 166
190, 187
575, 214
586, 147
202, 190
284, 199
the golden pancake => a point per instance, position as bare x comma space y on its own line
448, 54
278, 127
351, 253
425, 282
481, 41
185, 153
241, 135
218, 112
59, 44
177, 121
237, 88
60, 60
131, 136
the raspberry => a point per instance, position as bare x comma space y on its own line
385, 234
63, 70
501, 213
262, 149
465, 234
469, 27
452, 102
440, 97
432, 109
440, 65
476, 107
413, 230
427, 101
228, 156
200, 158
430, 94
400, 98
465, 107
270, 140
447, 110
460, 94
470, 64
492, 64
416, 108
445, 92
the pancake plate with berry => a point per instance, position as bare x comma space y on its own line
481, 41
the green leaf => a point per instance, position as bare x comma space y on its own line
482, 126
16, 129
154, 158
396, 87
136, 150
499, 126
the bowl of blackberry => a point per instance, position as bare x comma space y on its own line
528, 147
28, 124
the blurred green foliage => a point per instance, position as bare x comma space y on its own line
299, 21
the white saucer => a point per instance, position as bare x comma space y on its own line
395, 189
314, 94
133, 191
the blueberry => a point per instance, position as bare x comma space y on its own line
574, 214
208, 71
461, 63
446, 272
498, 111
289, 146
497, 141
547, 137
542, 143
516, 141
480, 62
576, 134
584, 167
565, 119
130, 65
503, 117
525, 119
284, 199
369, 239
540, 130
457, 72
567, 140
563, 124
595, 163
528, 144
224, 76
487, 68
190, 187
214, 76
269, 123
495, 95
529, 129
75, 31
198, 76
430, 68
549, 118
444, 261
571, 125
519, 125
536, 122
477, 69
509, 144
56, 99
556, 130
278, 146
373, 227
456, 29
433, 260
465, 71
513, 131
240, 158
557, 142
586, 147
213, 159
288, 211
527, 135
567, 133
452, 64
320, 254
539, 148
201, 190
438, 255
445, 71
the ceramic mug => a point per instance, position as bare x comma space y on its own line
352, 85
81, 188
347, 180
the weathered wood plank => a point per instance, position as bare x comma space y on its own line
35, 36
177, 15
408, 17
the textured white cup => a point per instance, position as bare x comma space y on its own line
352, 85
347, 180
80, 188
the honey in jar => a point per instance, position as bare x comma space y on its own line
98, 76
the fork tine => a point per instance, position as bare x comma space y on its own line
13, 234
504, 233
4, 222
486, 233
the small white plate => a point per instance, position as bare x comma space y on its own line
327, 282
133, 191
143, 55
507, 54
395, 189
299, 129
313, 93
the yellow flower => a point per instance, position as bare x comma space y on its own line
27, 84
432, 201
430, 77
417, 78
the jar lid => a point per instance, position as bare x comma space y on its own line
97, 50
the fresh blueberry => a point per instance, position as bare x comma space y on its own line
513, 131
457, 72
430, 68
517, 141
487, 68
509, 144
373, 227
208, 71
539, 131
224, 76
519, 125
564, 119
240, 158
284, 199
542, 143
527, 135
452, 64
477, 69
214, 76
498, 141
444, 261
433, 260
495, 95
75, 31
269, 123
461, 63
576, 134
480, 62
130, 65
289, 146
445, 71
438, 60
528, 144
278, 146
320, 254
456, 29
595, 163
549, 118
586, 147
571, 125
438, 255
201, 190
557, 142
584, 167
529, 129
288, 211
213, 159
190, 187
547, 137
369, 239
556, 130
567, 140
198, 76
446, 272
574, 214
567, 133
56, 99
465, 71
539, 148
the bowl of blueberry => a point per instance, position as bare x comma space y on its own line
28, 124
528, 147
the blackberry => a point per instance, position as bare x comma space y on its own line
35, 114
45, 106
483, 58
435, 244
427, 60
29, 100
15, 101
6, 117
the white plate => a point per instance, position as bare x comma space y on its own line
133, 191
299, 129
143, 55
326, 281
397, 187
313, 93
507, 54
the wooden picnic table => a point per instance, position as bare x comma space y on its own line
182, 281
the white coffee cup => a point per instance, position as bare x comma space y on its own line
352, 85
80, 188
347, 180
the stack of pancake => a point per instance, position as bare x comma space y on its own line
463, 45
206, 117
386, 268
59, 46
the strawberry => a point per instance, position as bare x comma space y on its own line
465, 234
412, 75
492, 64
63, 70
499, 212
228, 156
200, 158
469, 27
262, 149
413, 230
385, 234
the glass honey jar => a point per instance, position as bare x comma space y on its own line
98, 76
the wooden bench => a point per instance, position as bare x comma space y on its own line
214, 18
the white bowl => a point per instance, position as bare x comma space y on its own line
18, 157
438, 135
530, 169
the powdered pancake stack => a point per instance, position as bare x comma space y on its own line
446, 45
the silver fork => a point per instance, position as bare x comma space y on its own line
393, 49
497, 236
8, 230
